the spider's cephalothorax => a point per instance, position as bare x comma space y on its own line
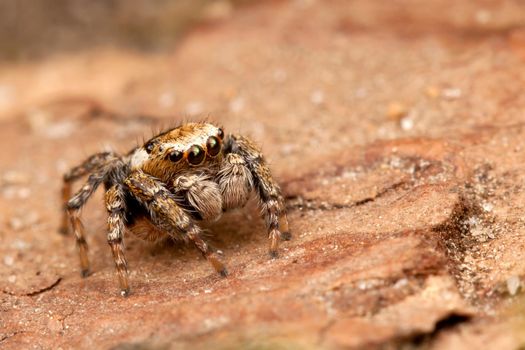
163, 188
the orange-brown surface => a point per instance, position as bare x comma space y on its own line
396, 130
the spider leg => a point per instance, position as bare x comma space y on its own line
166, 214
94, 162
268, 191
116, 207
73, 210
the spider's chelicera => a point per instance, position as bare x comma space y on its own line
164, 188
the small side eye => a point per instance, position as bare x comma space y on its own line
220, 133
196, 155
149, 146
213, 146
175, 156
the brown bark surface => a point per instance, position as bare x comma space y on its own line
395, 128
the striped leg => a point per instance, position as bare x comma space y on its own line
78, 229
90, 164
116, 207
73, 209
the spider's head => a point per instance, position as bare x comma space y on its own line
189, 145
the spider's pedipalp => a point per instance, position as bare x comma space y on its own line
202, 196
235, 181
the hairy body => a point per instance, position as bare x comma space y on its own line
165, 187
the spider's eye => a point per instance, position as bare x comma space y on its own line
149, 146
175, 156
220, 133
213, 146
196, 155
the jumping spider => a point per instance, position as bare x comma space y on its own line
164, 187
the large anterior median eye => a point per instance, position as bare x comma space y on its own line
175, 156
196, 155
213, 146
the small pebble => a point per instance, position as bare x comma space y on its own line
403, 282
451, 93
487, 207
407, 124
432, 92
396, 111
9, 260
317, 97
513, 285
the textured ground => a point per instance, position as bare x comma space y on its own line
396, 130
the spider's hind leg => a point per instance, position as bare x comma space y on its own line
94, 162
74, 206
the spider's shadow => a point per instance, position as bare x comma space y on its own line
234, 231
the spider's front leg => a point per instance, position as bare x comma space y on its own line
267, 189
167, 215
116, 207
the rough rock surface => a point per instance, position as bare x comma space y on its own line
396, 130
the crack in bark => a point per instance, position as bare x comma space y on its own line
298, 202
419, 339
469, 226
424, 339
45, 289
36, 292
6, 336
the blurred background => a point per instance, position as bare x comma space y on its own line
34, 29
